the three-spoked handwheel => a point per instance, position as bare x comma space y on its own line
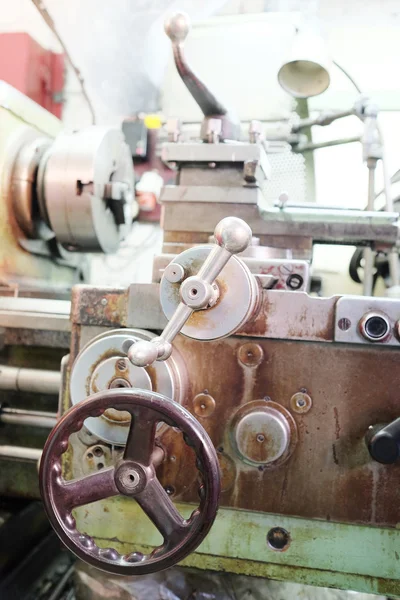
133, 476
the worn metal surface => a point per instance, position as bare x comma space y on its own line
330, 454
320, 553
93, 306
325, 487
321, 225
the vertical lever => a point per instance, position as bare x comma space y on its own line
197, 292
177, 28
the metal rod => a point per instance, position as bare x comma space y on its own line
369, 255
323, 119
393, 257
30, 418
330, 226
20, 453
37, 381
62, 584
309, 146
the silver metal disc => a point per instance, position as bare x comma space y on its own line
238, 294
102, 364
79, 167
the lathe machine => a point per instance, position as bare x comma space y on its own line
220, 417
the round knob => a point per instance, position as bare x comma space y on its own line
263, 433
177, 27
233, 234
383, 442
145, 353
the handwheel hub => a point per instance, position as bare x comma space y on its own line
130, 478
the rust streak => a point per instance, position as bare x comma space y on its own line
337, 424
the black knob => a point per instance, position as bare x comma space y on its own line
383, 442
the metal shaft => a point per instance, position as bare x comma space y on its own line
37, 381
20, 453
369, 255
30, 418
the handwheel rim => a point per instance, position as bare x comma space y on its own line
55, 491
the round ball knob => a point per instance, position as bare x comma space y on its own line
383, 442
177, 26
143, 353
233, 234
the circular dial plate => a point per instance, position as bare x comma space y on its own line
238, 294
102, 364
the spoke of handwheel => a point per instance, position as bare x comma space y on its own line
160, 509
140, 443
85, 490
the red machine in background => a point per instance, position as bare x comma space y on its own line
36, 72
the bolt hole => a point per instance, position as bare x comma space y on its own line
220, 449
260, 468
193, 291
173, 458
278, 539
100, 466
98, 452
170, 490
132, 477
260, 437
301, 402
90, 455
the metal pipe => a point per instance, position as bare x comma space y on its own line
369, 255
393, 257
37, 381
330, 226
309, 146
20, 453
31, 418
323, 119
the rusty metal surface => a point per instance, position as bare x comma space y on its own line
98, 306
37, 337
330, 474
302, 317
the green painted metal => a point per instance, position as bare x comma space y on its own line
365, 559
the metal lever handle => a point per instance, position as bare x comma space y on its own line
232, 236
177, 28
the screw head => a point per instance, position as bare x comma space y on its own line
294, 281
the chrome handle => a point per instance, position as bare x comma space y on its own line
177, 27
199, 292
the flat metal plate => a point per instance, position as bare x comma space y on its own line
210, 194
353, 308
227, 152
